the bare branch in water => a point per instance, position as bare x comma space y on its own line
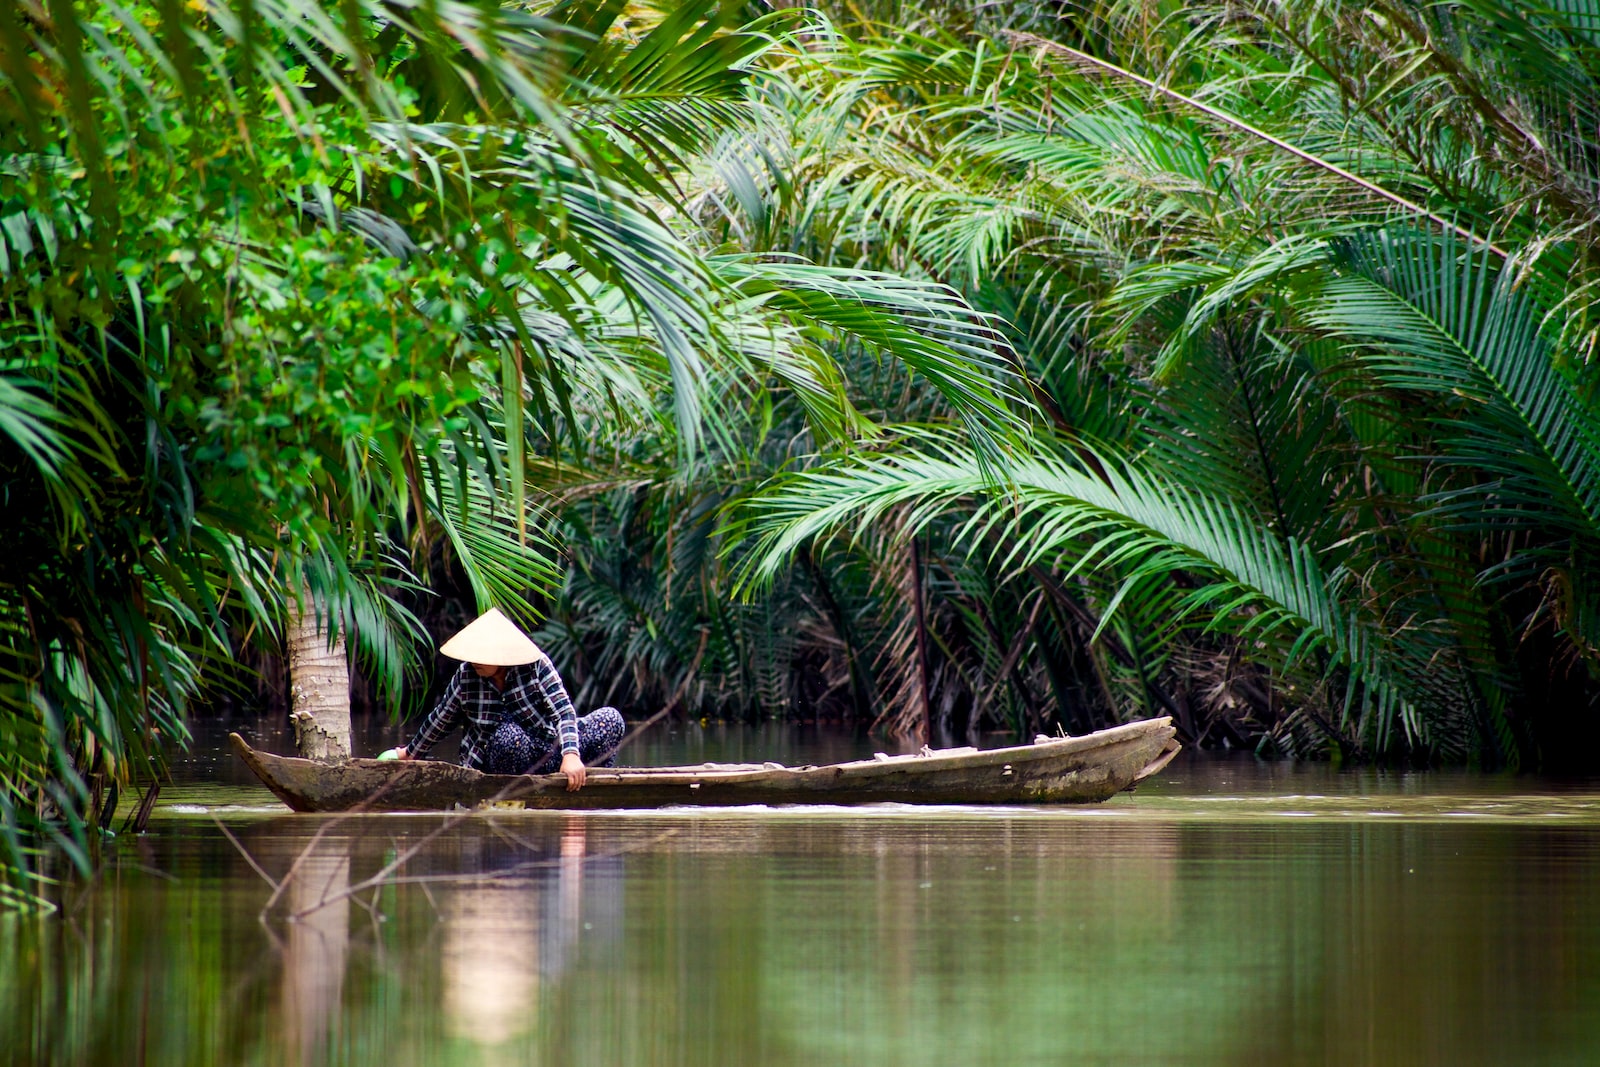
677, 696
251, 860
380, 880
387, 875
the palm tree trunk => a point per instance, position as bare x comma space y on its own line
319, 686
924, 728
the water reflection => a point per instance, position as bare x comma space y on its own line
741, 938
506, 931
508, 906
489, 958
316, 948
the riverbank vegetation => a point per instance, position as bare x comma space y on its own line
945, 369
1299, 295
295, 295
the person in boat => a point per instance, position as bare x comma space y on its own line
514, 710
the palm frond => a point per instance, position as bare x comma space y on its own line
1446, 322
1130, 524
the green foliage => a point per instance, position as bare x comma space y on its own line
214, 403
302, 300
1233, 364
1304, 474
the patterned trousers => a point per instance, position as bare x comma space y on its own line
511, 750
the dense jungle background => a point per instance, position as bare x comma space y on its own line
943, 368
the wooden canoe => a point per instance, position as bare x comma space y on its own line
1070, 770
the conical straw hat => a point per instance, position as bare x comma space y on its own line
493, 640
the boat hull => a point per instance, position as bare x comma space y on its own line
1059, 771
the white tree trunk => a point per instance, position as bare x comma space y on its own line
319, 686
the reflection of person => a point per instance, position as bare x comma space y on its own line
508, 933
489, 960
514, 711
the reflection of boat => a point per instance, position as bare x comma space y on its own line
1057, 770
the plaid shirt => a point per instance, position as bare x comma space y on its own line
533, 698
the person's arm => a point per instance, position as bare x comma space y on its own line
440, 721
549, 683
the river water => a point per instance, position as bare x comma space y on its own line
1228, 913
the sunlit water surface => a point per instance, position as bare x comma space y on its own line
1229, 913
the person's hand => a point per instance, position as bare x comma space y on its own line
572, 767
401, 753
